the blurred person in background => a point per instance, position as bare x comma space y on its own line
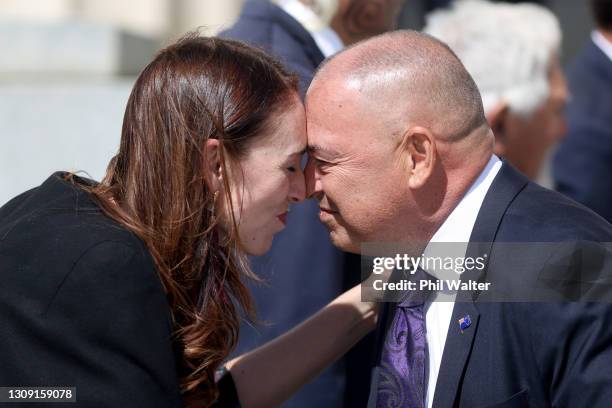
130, 289
582, 167
512, 52
306, 270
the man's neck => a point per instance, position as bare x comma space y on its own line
463, 163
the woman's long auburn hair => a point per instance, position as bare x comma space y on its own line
193, 90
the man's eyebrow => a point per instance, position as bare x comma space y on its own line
312, 148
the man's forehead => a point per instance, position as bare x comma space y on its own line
332, 103
327, 138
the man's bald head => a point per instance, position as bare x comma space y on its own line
396, 136
414, 76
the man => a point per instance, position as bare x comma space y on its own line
302, 260
400, 151
582, 167
522, 87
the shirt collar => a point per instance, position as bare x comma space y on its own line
458, 226
326, 39
602, 42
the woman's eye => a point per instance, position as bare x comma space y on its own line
292, 169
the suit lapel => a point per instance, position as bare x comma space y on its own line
507, 184
456, 353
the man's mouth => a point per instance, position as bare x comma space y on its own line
327, 210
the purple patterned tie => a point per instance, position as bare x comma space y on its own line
404, 359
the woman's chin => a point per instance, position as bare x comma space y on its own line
259, 247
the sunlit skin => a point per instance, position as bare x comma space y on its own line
382, 164
361, 181
266, 180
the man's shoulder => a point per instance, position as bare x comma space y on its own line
538, 214
262, 24
265, 25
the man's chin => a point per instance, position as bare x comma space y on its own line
343, 243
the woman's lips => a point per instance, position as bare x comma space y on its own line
283, 218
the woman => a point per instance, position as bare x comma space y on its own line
130, 289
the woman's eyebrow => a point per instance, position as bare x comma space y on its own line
300, 153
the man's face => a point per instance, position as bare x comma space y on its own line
529, 138
353, 169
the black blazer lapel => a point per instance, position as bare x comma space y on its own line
506, 186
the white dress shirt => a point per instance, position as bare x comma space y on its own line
456, 228
602, 42
326, 39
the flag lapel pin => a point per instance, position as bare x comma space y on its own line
464, 323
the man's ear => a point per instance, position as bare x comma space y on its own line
419, 152
498, 120
212, 165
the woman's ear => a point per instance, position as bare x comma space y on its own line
498, 120
419, 152
212, 165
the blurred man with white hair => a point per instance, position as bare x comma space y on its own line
512, 52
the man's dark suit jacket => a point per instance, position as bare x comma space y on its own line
525, 354
582, 167
303, 269
81, 304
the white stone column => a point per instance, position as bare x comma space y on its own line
211, 15
36, 10
144, 17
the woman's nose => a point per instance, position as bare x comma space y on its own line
297, 191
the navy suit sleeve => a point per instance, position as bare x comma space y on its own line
107, 332
573, 342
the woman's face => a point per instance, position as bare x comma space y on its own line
268, 178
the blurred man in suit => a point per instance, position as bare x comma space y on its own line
401, 151
582, 167
301, 34
523, 87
